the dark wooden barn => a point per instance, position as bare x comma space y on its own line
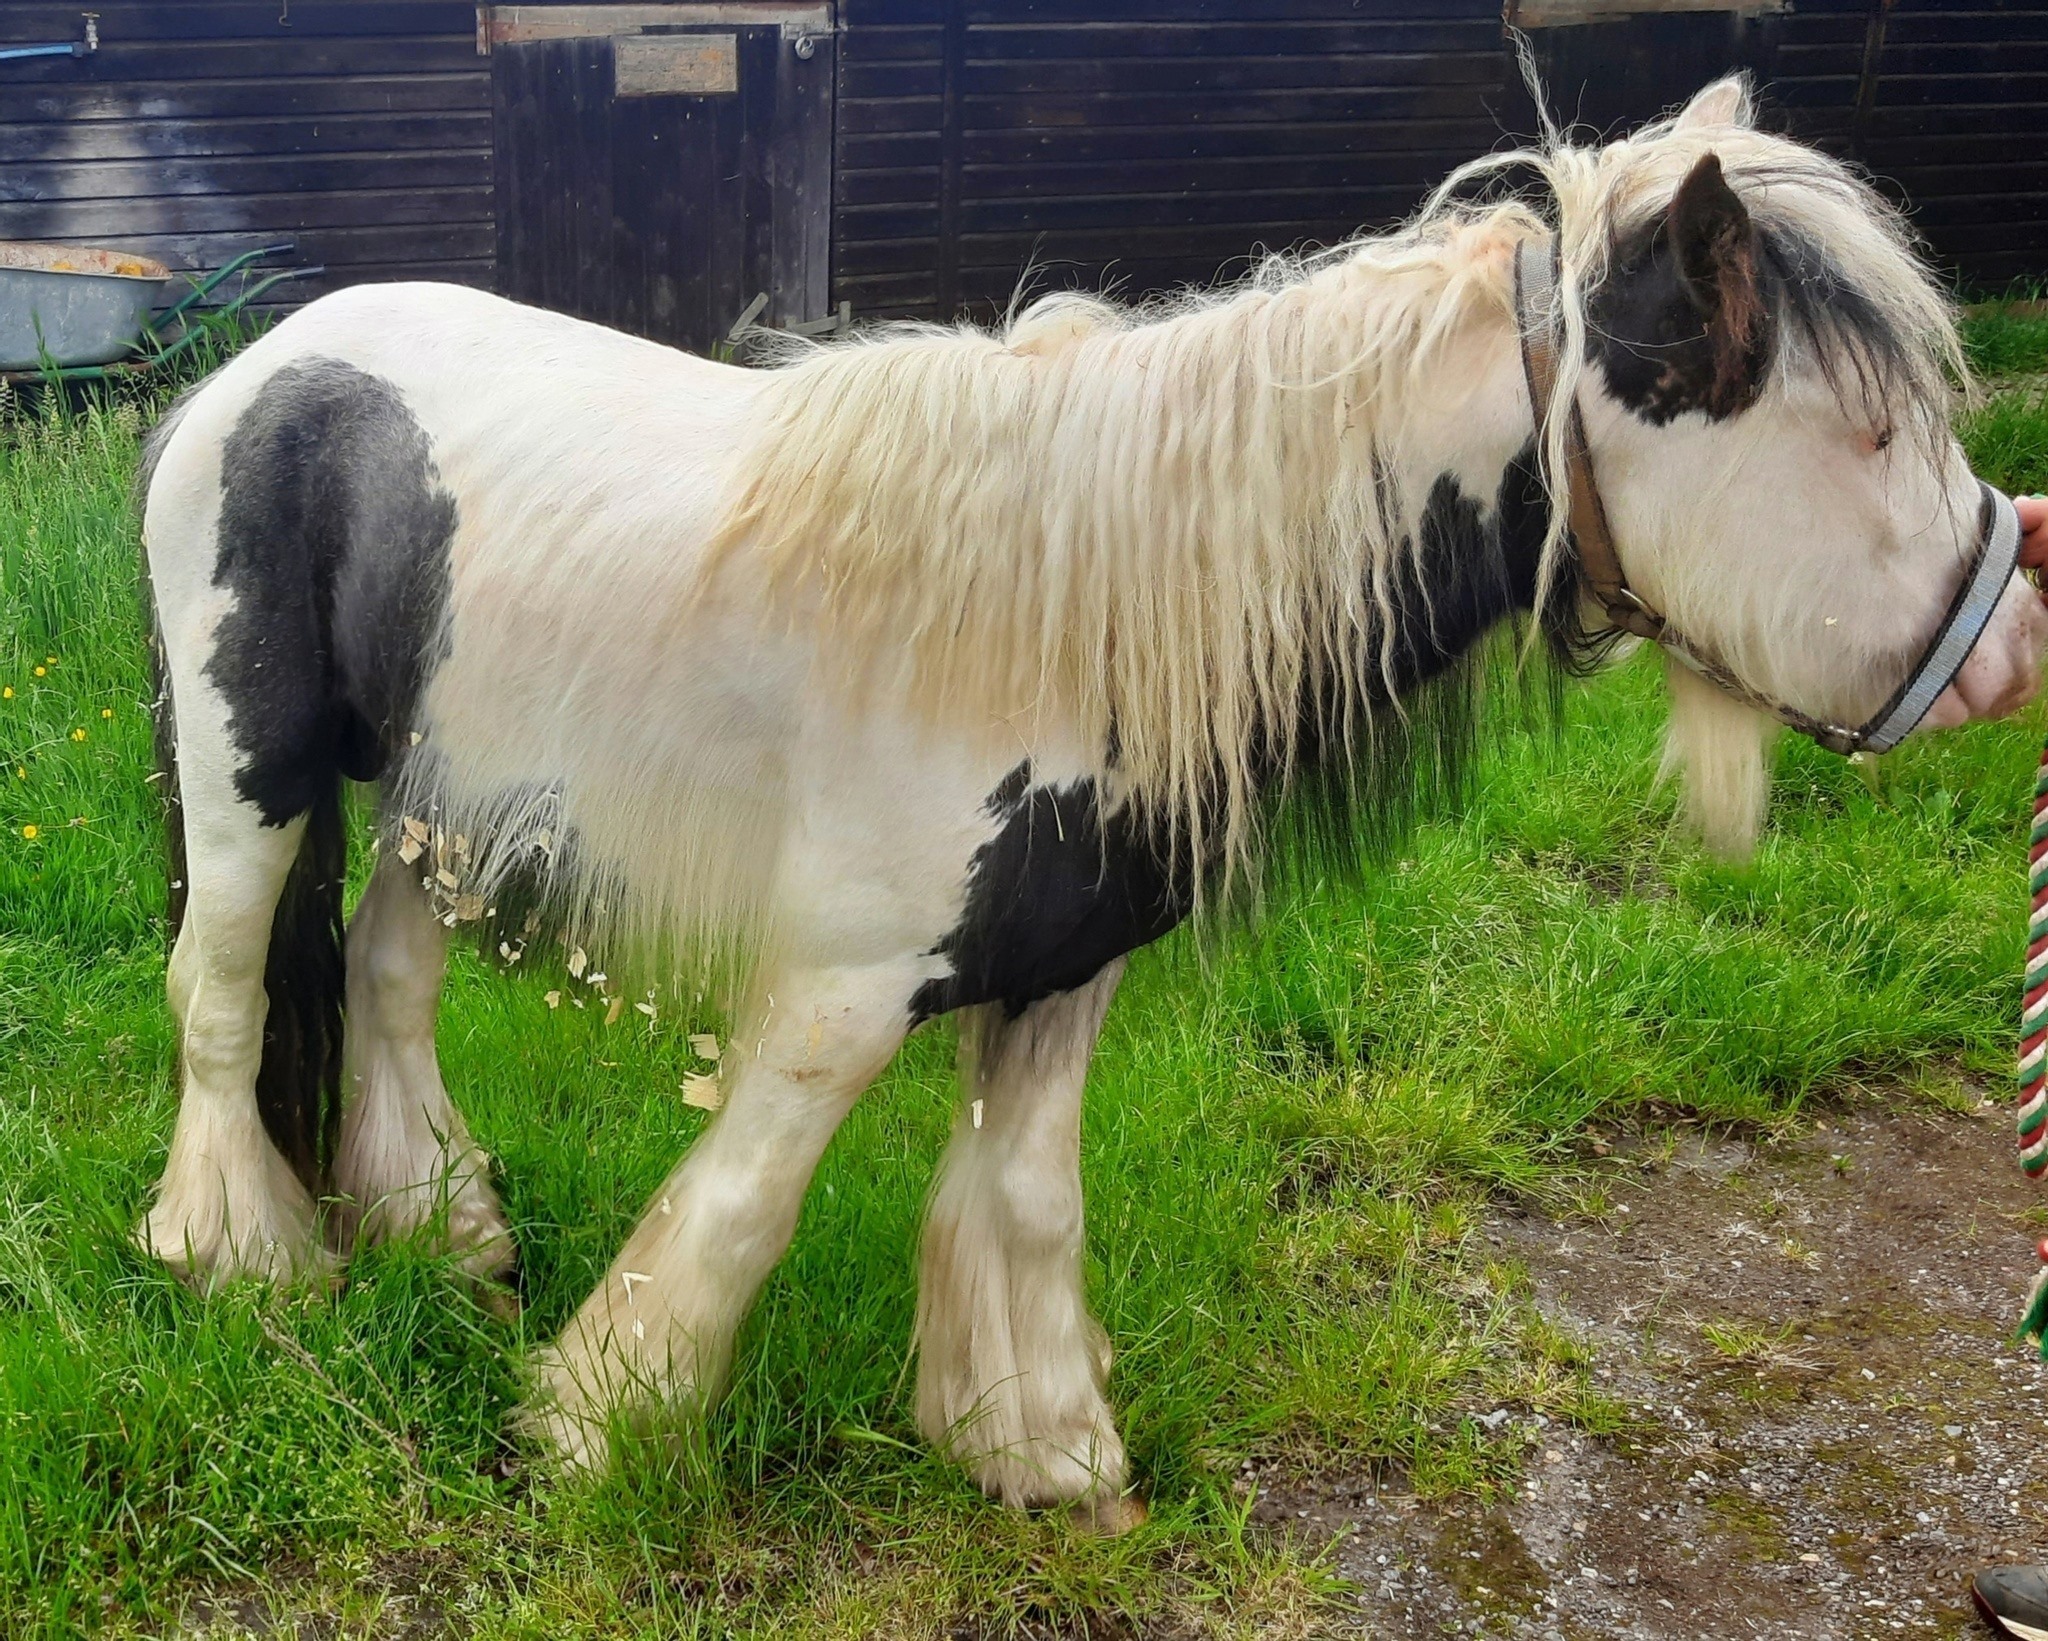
674, 167
360, 129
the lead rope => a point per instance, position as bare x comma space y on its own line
2032, 1115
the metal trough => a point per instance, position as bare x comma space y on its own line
67, 305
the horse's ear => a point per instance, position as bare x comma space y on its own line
1715, 243
1725, 102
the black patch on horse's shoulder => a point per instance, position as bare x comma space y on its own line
1650, 340
1057, 893
1060, 890
334, 536
1478, 571
1364, 769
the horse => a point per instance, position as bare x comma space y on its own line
934, 671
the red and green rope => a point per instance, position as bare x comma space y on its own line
2032, 1116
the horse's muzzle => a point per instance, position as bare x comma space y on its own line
2003, 671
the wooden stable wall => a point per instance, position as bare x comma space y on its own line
1143, 142
200, 128
1136, 143
1946, 103
1152, 143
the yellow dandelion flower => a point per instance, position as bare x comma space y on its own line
6, 692
50, 660
40, 671
21, 772
106, 712
30, 830
78, 734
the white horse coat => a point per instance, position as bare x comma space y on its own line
939, 672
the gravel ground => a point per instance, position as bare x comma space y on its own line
1829, 1427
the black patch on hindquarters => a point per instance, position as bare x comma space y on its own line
333, 542
334, 537
1055, 895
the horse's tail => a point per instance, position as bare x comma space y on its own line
153, 445
298, 1084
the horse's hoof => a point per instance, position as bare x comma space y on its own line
210, 1263
1108, 1517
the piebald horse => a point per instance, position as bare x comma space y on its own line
939, 669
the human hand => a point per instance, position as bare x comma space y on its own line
2033, 512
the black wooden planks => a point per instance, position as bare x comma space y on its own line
358, 128
1138, 145
1145, 144
1946, 104
665, 215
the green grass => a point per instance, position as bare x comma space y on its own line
2007, 337
1288, 1147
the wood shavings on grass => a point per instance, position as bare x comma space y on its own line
704, 1046
579, 960
617, 1008
553, 999
975, 1112
646, 1009
702, 1092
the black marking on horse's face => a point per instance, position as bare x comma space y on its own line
1683, 320
334, 537
1052, 897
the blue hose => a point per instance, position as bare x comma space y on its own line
73, 48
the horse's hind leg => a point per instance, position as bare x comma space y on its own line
230, 1203
1011, 1365
405, 1159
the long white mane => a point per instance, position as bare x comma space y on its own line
1173, 525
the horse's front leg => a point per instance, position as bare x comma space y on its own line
660, 1326
1012, 1368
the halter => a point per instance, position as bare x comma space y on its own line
1969, 612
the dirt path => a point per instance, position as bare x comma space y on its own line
1830, 1430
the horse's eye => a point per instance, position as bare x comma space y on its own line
1882, 440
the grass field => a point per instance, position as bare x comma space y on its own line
1286, 1154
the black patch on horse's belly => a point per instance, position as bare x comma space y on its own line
334, 535
1051, 898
